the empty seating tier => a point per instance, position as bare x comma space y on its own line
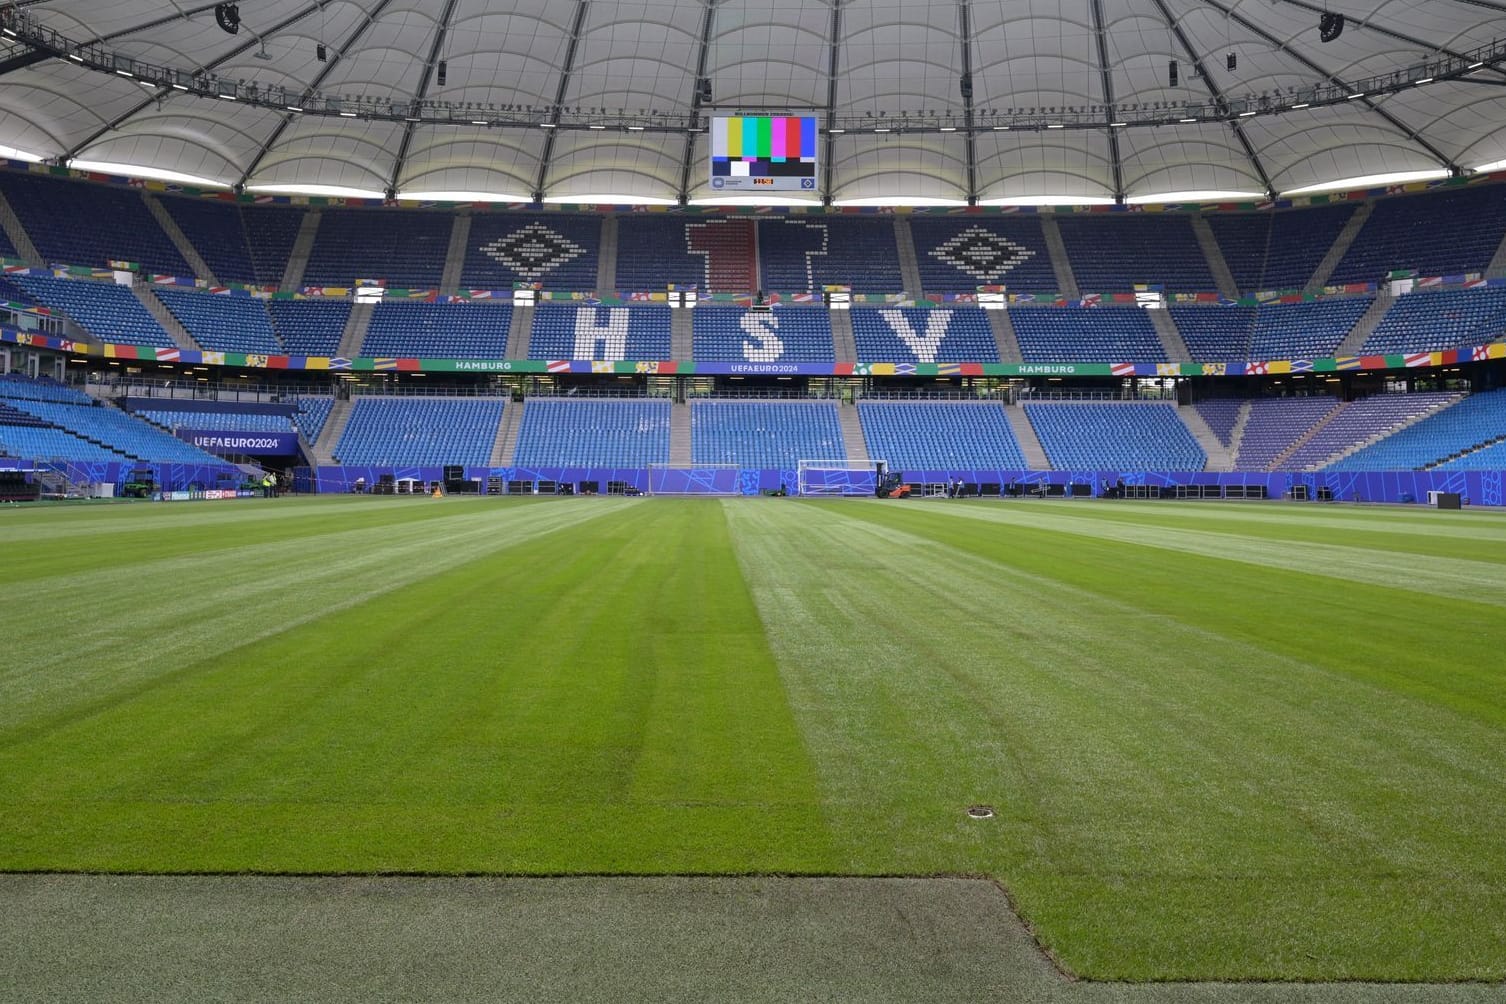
957, 255
564, 331
216, 232
923, 334
1221, 415
804, 253
1442, 319
109, 312
78, 223
736, 334
420, 430
593, 433
1436, 439
1277, 250
1086, 334
1275, 425
765, 434
220, 420
1112, 252
1359, 422
310, 327
1110, 437
407, 249
1309, 330
439, 330
918, 436
1215, 333
116, 431
1443, 233
557, 250
222, 323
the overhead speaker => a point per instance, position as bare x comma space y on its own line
228, 17
705, 90
443, 72
1330, 26
321, 53
967, 87
1232, 61
1171, 73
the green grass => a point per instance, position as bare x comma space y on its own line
1223, 742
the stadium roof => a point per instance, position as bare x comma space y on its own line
593, 100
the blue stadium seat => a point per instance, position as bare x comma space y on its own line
1310, 330
79, 223
592, 432
109, 312
406, 248
1110, 252
222, 323
1442, 233
783, 334
959, 254
1477, 419
803, 253
1277, 250
558, 250
1362, 421
1086, 334
420, 430
1427, 320
603, 333
310, 327
1215, 333
439, 330
313, 412
1275, 425
215, 230
914, 436
224, 418
765, 434
117, 431
923, 334
1144, 436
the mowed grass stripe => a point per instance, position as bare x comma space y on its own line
597, 701
1369, 562
73, 639
1177, 799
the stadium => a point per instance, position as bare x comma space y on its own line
709, 500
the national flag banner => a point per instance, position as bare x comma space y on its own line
214, 359
904, 369
1257, 369
278, 362
602, 366
1121, 369
1168, 369
257, 361
1475, 283
480, 294
168, 355
557, 366
339, 363
1346, 363
881, 369
384, 364
408, 365
948, 369
1372, 362
1215, 369
972, 369
1418, 359
1479, 353
860, 369
1301, 366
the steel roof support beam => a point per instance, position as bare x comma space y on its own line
965, 83
1096, 7
1381, 29
834, 52
420, 94
329, 67
119, 120
1408, 131
1218, 98
703, 54
576, 26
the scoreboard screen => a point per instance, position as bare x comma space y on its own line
763, 153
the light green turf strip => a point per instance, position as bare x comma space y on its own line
597, 700
74, 639
1175, 802
1482, 581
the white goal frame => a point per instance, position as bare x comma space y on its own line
804, 487
694, 479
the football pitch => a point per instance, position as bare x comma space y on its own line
1220, 742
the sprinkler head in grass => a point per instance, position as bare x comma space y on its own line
980, 812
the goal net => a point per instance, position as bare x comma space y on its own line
837, 477
698, 479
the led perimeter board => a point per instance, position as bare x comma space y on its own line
763, 153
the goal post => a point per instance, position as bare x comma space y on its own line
838, 477
697, 479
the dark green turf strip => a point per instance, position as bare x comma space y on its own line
601, 703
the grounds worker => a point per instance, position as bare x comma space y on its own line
269, 484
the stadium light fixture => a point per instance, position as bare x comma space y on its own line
228, 17
1424, 80
1118, 125
1355, 97
1302, 104
1245, 115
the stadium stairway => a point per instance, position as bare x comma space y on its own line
681, 337
680, 453
909, 267
519, 333
606, 255
1004, 337
334, 428
1220, 457
844, 342
1060, 263
1030, 443
505, 445
201, 269
1495, 270
298, 259
1302, 440
170, 324
1340, 247
11, 224
1237, 435
852, 432
356, 326
1365, 326
454, 256
1215, 255
1172, 342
